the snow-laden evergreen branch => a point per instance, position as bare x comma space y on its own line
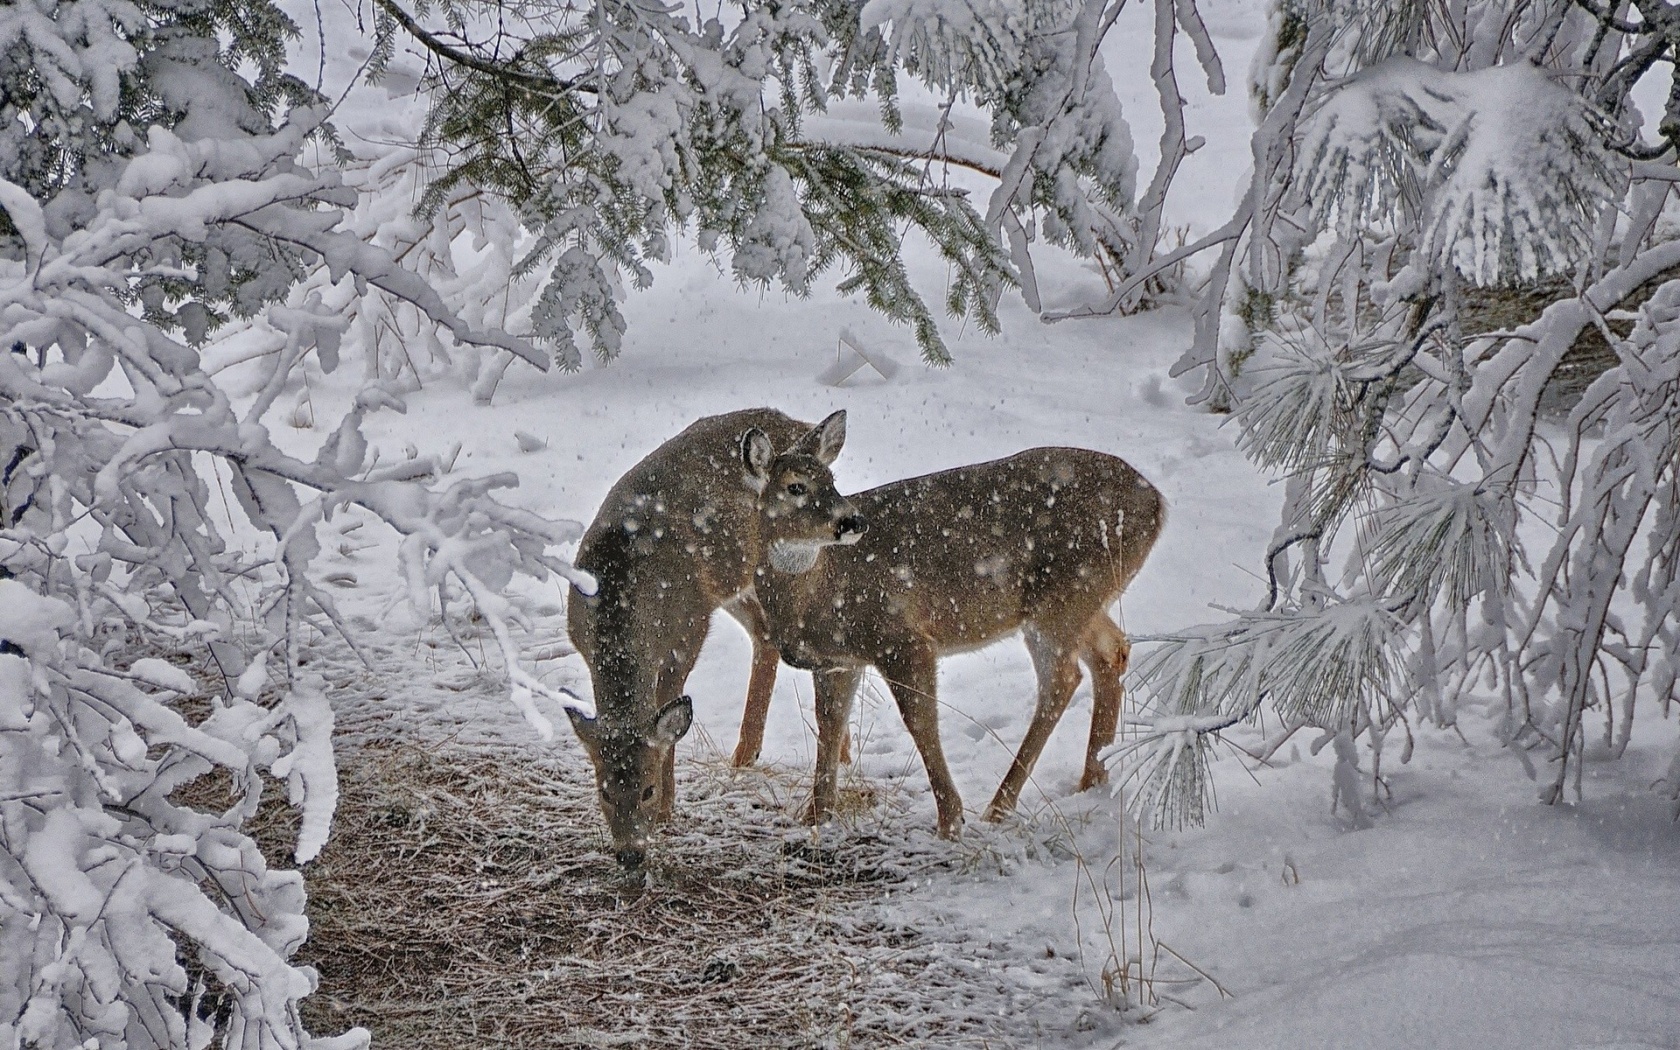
1322, 665
972, 45
1410, 181
1450, 540
1614, 488
1311, 663
1166, 781
134, 226
1504, 171
621, 127
103, 879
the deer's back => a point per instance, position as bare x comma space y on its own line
684, 507
966, 555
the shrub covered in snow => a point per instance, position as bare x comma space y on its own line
150, 193
1440, 539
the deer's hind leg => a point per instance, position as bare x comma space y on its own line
1106, 651
1055, 657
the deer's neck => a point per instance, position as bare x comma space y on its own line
799, 607
649, 614
794, 559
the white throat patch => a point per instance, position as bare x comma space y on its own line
794, 556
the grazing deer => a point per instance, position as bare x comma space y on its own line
1042, 541
676, 538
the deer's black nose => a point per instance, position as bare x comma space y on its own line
630, 858
849, 528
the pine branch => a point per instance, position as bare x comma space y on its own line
538, 83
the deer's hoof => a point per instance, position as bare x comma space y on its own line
1093, 778
743, 758
1002, 806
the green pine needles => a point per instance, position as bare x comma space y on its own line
620, 126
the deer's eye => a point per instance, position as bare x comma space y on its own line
796, 489
647, 793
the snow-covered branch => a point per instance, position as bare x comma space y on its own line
129, 917
1412, 184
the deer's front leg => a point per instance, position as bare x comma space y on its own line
673, 674
759, 687
835, 688
912, 673
765, 656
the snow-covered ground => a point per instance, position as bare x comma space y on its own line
1464, 915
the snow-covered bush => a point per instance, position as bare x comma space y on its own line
125, 918
149, 194
1441, 538
618, 126
467, 248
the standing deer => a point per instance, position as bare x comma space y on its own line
1042, 541
677, 538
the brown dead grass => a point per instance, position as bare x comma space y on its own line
466, 899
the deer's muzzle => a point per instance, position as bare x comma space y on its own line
850, 528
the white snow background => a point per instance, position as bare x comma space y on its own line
1466, 915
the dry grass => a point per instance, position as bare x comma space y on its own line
466, 899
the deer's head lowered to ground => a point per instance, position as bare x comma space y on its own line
631, 773
677, 538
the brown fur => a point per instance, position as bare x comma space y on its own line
676, 538
1043, 541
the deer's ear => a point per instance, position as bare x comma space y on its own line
756, 454
825, 440
672, 723
584, 727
